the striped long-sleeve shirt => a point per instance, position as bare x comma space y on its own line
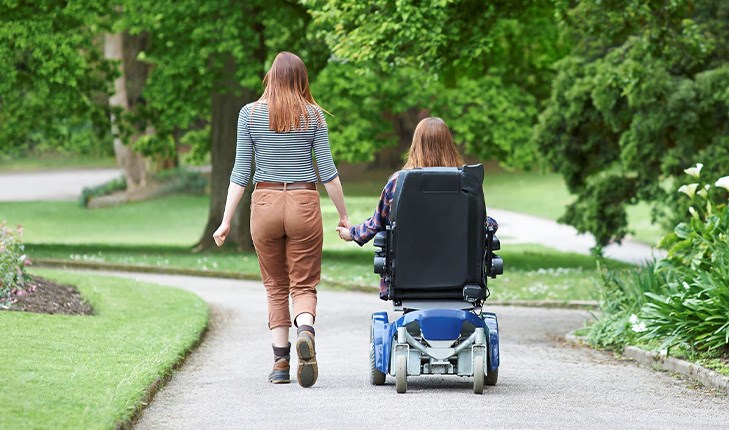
281, 157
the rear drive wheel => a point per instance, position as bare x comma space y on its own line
478, 374
376, 377
492, 377
401, 373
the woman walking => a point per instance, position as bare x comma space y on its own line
281, 130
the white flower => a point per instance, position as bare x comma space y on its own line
689, 190
723, 183
693, 212
702, 193
636, 325
694, 171
640, 327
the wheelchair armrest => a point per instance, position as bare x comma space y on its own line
381, 239
497, 266
382, 251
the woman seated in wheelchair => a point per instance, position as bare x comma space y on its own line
432, 146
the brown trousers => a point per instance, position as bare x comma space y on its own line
287, 232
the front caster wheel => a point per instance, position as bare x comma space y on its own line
478, 374
401, 373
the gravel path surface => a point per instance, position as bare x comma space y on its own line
543, 382
51, 184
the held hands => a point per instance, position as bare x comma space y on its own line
221, 233
344, 234
343, 229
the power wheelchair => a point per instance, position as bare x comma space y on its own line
437, 254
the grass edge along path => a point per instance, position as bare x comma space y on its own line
96, 371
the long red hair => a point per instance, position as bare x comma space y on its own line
287, 93
433, 146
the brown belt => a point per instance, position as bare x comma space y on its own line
283, 186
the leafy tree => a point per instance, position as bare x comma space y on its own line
55, 81
484, 67
208, 60
644, 92
375, 111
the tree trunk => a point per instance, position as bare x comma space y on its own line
133, 164
403, 124
226, 104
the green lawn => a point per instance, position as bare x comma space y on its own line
532, 272
160, 232
91, 372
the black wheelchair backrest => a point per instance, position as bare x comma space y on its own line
437, 233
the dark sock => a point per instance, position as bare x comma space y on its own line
281, 352
308, 328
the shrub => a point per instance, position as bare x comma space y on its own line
88, 193
681, 301
13, 260
183, 180
622, 295
693, 309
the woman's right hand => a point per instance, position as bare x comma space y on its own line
344, 222
221, 233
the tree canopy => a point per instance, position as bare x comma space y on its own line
54, 78
643, 94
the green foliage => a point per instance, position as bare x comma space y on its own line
54, 79
192, 46
692, 311
88, 193
644, 92
483, 68
13, 276
489, 118
199, 143
622, 294
517, 40
183, 180
681, 301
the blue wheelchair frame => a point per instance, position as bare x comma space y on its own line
436, 325
441, 331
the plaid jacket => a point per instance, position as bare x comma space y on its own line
364, 232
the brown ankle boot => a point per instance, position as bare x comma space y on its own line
307, 371
281, 369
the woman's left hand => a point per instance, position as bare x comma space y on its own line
221, 233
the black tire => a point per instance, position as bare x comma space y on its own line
376, 377
492, 377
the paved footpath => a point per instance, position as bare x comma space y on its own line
51, 184
543, 382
